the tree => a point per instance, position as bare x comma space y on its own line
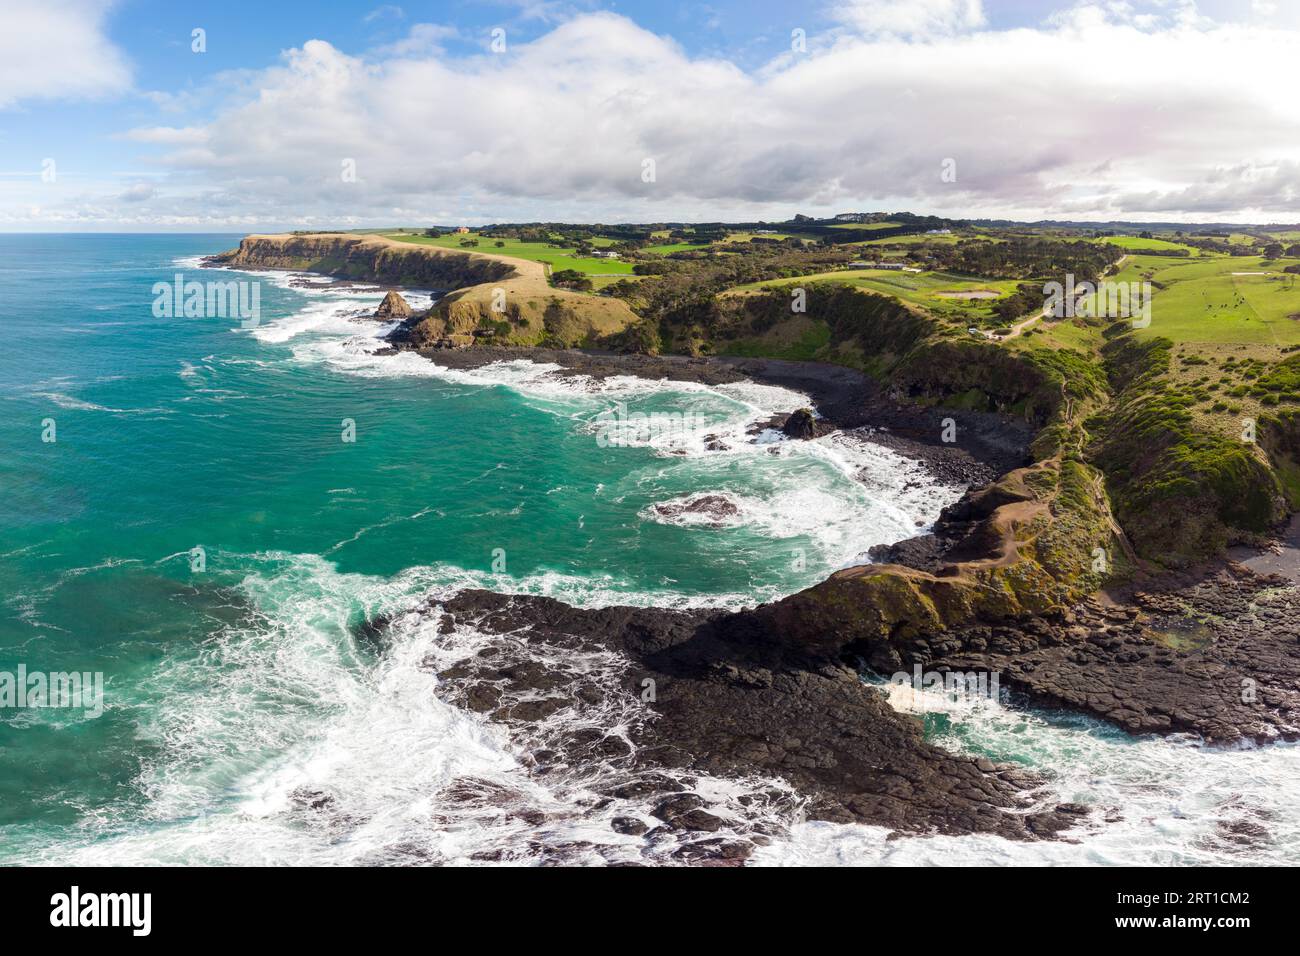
1273, 250
571, 279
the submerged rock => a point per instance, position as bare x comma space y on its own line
713, 510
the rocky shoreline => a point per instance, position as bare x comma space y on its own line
779, 693
718, 695
985, 446
1214, 653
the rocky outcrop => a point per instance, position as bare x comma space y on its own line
1215, 654
393, 307
1001, 586
1025, 546
720, 694
712, 510
523, 310
803, 424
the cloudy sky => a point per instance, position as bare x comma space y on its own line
119, 116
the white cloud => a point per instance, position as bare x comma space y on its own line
383, 12
910, 18
169, 135
52, 49
138, 192
1094, 115
424, 39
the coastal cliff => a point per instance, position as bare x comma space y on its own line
490, 298
368, 258
1006, 583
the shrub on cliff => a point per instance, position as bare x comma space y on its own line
642, 337
1181, 492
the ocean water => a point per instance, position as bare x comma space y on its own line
235, 684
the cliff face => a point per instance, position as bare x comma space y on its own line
1031, 541
495, 299
523, 311
371, 258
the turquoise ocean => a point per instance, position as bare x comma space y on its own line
205, 513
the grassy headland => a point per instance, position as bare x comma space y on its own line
1157, 445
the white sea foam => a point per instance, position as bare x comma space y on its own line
840, 492
287, 710
1154, 801
63, 400
282, 740
285, 741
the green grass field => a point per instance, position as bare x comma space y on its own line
557, 259
747, 236
1138, 244
866, 225
667, 247
735, 238
1219, 299
913, 239
918, 288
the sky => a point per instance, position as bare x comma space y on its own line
148, 116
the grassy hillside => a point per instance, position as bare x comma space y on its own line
556, 259
1215, 300
1149, 418
958, 298
1140, 448
493, 297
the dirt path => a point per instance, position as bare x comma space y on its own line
1021, 326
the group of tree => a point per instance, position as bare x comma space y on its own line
571, 279
1022, 258
677, 293
1028, 298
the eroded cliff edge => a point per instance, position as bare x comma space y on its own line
494, 298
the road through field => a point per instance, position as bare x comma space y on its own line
1020, 327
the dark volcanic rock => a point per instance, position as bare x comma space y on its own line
1217, 657
730, 695
715, 509
803, 424
728, 699
744, 696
